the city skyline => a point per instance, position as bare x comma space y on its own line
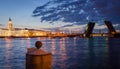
21, 12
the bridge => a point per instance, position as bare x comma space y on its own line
90, 26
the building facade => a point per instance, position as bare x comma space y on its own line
10, 31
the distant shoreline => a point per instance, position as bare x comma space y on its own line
61, 36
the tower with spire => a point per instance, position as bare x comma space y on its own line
10, 25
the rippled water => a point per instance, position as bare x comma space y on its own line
68, 53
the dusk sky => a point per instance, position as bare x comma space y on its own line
66, 14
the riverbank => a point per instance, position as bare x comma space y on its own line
67, 35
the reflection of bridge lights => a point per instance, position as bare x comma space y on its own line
75, 41
63, 48
63, 52
53, 46
28, 42
8, 52
8, 40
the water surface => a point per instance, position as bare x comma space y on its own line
68, 53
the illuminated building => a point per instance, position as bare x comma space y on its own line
10, 31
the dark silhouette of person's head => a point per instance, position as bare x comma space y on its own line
38, 44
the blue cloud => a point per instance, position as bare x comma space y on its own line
79, 10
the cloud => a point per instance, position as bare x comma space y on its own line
103, 26
81, 27
98, 26
1, 25
74, 27
79, 11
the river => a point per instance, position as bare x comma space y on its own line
67, 53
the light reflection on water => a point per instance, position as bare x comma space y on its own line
67, 53
8, 53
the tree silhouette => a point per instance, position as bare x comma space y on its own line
77, 10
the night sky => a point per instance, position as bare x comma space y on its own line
64, 14
79, 12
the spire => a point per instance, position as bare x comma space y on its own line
10, 19
10, 26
